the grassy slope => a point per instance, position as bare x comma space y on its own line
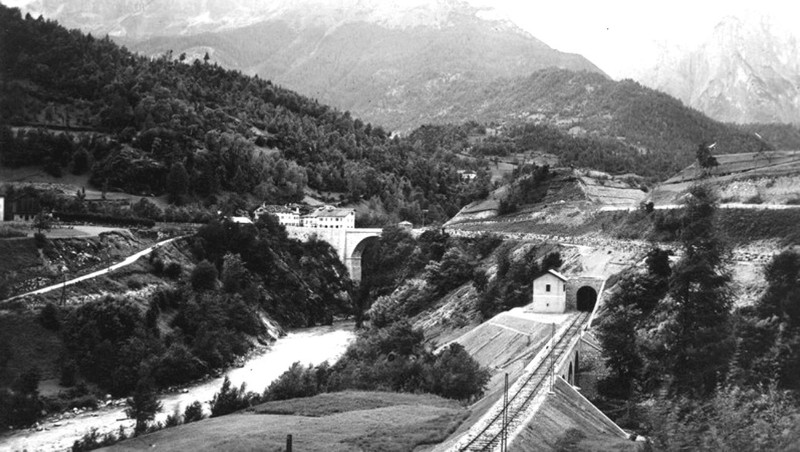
29, 345
343, 421
18, 254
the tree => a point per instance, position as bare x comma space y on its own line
705, 159
193, 412
43, 221
80, 161
177, 183
143, 406
700, 340
456, 375
552, 261
204, 276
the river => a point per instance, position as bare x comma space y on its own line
308, 345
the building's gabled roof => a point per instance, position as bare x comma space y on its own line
267, 208
556, 274
329, 211
242, 220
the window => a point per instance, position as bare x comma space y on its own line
547, 288
565, 287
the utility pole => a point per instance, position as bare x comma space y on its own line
552, 356
64, 285
504, 431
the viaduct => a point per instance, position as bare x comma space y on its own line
348, 242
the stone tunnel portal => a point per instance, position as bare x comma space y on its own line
586, 299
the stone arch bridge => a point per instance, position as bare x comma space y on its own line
349, 243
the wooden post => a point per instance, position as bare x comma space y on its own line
504, 433
289, 443
552, 356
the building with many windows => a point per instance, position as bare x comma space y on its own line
287, 215
330, 217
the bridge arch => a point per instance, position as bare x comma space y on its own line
353, 259
586, 298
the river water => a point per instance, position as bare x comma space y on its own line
308, 345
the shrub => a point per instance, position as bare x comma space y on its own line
41, 239
50, 317
143, 406
94, 440
755, 199
134, 283
69, 372
193, 412
456, 375
229, 399
173, 270
298, 381
174, 419
157, 266
204, 276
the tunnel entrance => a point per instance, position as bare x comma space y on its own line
587, 297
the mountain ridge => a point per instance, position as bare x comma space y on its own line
747, 71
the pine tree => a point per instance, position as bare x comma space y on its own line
143, 406
177, 183
701, 341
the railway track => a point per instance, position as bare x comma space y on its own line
491, 436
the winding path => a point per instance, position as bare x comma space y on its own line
128, 261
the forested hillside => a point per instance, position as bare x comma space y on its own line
620, 120
196, 130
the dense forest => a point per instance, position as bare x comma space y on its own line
195, 130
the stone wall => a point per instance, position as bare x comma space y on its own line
575, 283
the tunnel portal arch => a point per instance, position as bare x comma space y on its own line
586, 299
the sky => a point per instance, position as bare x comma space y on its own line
622, 37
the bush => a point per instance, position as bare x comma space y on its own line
298, 381
456, 375
193, 413
94, 440
50, 317
173, 270
69, 371
174, 419
157, 266
41, 239
229, 399
204, 276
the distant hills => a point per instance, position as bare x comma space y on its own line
377, 60
747, 71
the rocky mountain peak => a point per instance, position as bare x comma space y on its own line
748, 70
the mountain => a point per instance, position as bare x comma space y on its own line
365, 56
747, 71
198, 132
623, 125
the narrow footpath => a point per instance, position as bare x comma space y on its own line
128, 261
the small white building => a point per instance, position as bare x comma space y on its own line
467, 175
2, 208
241, 220
287, 216
550, 293
330, 217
